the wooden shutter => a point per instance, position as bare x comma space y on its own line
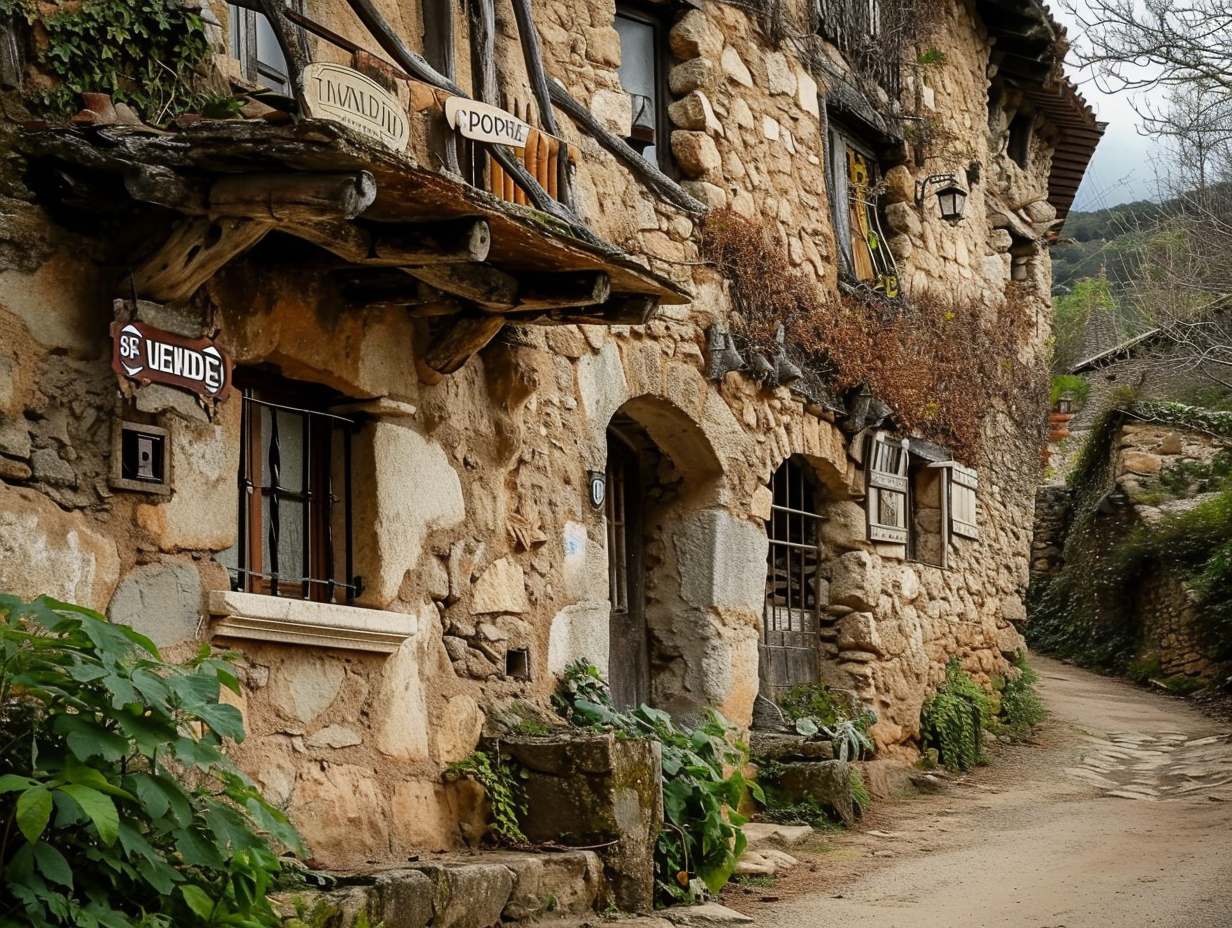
963, 486
887, 490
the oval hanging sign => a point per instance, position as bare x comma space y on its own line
346, 96
485, 123
148, 355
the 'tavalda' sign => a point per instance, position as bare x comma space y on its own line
346, 96
148, 355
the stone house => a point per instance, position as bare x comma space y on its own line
411, 381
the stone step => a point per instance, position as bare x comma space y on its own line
473, 891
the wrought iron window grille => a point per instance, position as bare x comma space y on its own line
287, 541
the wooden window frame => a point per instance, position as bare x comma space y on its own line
324, 439
888, 460
662, 62
243, 25
856, 219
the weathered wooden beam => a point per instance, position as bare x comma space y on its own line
344, 239
655, 179
545, 292
152, 183
293, 197
447, 242
12, 61
483, 51
197, 248
454, 346
531, 51
440, 53
622, 309
485, 286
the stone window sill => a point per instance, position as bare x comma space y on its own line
294, 621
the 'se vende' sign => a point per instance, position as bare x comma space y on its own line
485, 123
149, 355
346, 96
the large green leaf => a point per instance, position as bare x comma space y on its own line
87, 737
99, 808
53, 865
201, 904
225, 720
34, 812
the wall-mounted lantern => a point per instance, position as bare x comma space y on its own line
951, 196
596, 480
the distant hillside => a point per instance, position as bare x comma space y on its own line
1103, 242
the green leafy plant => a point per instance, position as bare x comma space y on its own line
144, 53
815, 713
1069, 386
860, 797
954, 717
1021, 709
501, 780
703, 782
809, 812
118, 805
812, 701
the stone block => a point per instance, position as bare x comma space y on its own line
735, 68
15, 437
695, 36
501, 588
779, 746
855, 581
400, 712
780, 79
603, 46
594, 790
899, 184
1040, 211
458, 728
204, 460
49, 468
335, 736
408, 490
713, 196
845, 527
697, 74
341, 813
722, 561
806, 94
469, 895
44, 549
560, 885
305, 684
827, 781
162, 601
1140, 462
858, 632
695, 153
614, 110
769, 834
401, 899
694, 112
903, 218
579, 631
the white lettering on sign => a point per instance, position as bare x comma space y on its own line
485, 123
149, 355
346, 96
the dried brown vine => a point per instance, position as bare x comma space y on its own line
938, 362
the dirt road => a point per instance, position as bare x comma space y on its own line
1118, 816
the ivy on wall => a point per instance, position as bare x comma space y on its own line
144, 53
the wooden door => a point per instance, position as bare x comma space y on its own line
628, 652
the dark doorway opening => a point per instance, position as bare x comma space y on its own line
628, 647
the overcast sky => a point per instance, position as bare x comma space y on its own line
1125, 163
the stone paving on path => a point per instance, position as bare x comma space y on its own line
1150, 768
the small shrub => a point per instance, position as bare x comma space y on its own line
1185, 686
953, 720
1021, 708
501, 780
121, 808
860, 797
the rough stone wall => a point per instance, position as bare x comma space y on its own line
1167, 609
474, 530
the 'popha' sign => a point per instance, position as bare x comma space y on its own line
149, 355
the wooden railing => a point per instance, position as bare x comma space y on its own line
868, 35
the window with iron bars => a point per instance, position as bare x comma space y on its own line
294, 502
789, 618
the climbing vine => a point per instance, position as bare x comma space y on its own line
941, 363
144, 53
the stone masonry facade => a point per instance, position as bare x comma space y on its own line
486, 569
